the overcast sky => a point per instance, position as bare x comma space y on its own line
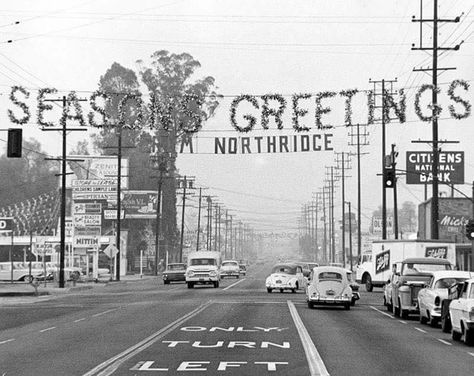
252, 47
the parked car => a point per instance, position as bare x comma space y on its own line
329, 286
430, 298
20, 272
286, 276
354, 287
242, 269
175, 272
461, 311
230, 268
454, 292
414, 274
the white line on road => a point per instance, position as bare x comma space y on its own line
316, 364
383, 313
80, 319
47, 329
420, 330
232, 285
110, 366
445, 342
8, 340
403, 322
103, 313
472, 354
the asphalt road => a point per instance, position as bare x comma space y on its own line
145, 327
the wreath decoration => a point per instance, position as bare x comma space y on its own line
267, 111
72, 100
98, 109
42, 106
436, 109
298, 112
251, 119
348, 113
22, 105
320, 110
466, 104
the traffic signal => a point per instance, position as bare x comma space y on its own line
389, 178
14, 143
470, 229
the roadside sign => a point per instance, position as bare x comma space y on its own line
86, 241
111, 250
87, 208
112, 214
450, 169
6, 224
84, 220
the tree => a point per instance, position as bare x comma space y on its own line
26, 177
168, 79
407, 217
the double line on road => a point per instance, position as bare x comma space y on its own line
110, 366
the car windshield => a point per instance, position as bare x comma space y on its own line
349, 277
445, 283
203, 261
176, 267
229, 263
284, 269
414, 268
242, 267
330, 276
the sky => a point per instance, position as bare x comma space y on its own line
254, 47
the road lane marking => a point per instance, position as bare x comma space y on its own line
472, 354
6, 341
232, 285
420, 330
103, 313
403, 322
445, 342
80, 319
47, 329
383, 313
316, 364
110, 366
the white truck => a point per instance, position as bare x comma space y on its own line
203, 267
376, 266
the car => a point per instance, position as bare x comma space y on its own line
304, 266
242, 269
174, 272
414, 274
329, 286
354, 286
430, 298
461, 311
21, 272
230, 268
286, 276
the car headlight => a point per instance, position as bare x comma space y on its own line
165, 276
213, 273
190, 273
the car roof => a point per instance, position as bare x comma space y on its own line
425, 260
452, 274
292, 264
319, 269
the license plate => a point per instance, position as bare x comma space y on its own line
201, 279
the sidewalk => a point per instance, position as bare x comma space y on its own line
8, 289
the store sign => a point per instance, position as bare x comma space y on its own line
382, 261
85, 220
87, 208
6, 224
140, 204
112, 214
94, 189
453, 223
86, 241
437, 252
377, 225
419, 166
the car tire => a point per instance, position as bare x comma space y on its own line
310, 305
446, 324
423, 319
216, 284
347, 306
190, 285
434, 322
269, 290
28, 278
468, 337
396, 311
166, 282
281, 290
293, 291
456, 335
353, 302
404, 314
368, 284
390, 306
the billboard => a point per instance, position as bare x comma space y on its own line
450, 169
139, 204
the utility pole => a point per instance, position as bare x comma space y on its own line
350, 234
393, 156
383, 93
161, 160
199, 221
341, 165
434, 75
226, 228
63, 159
359, 143
185, 183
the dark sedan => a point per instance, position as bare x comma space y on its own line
174, 273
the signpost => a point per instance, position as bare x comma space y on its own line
6, 225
